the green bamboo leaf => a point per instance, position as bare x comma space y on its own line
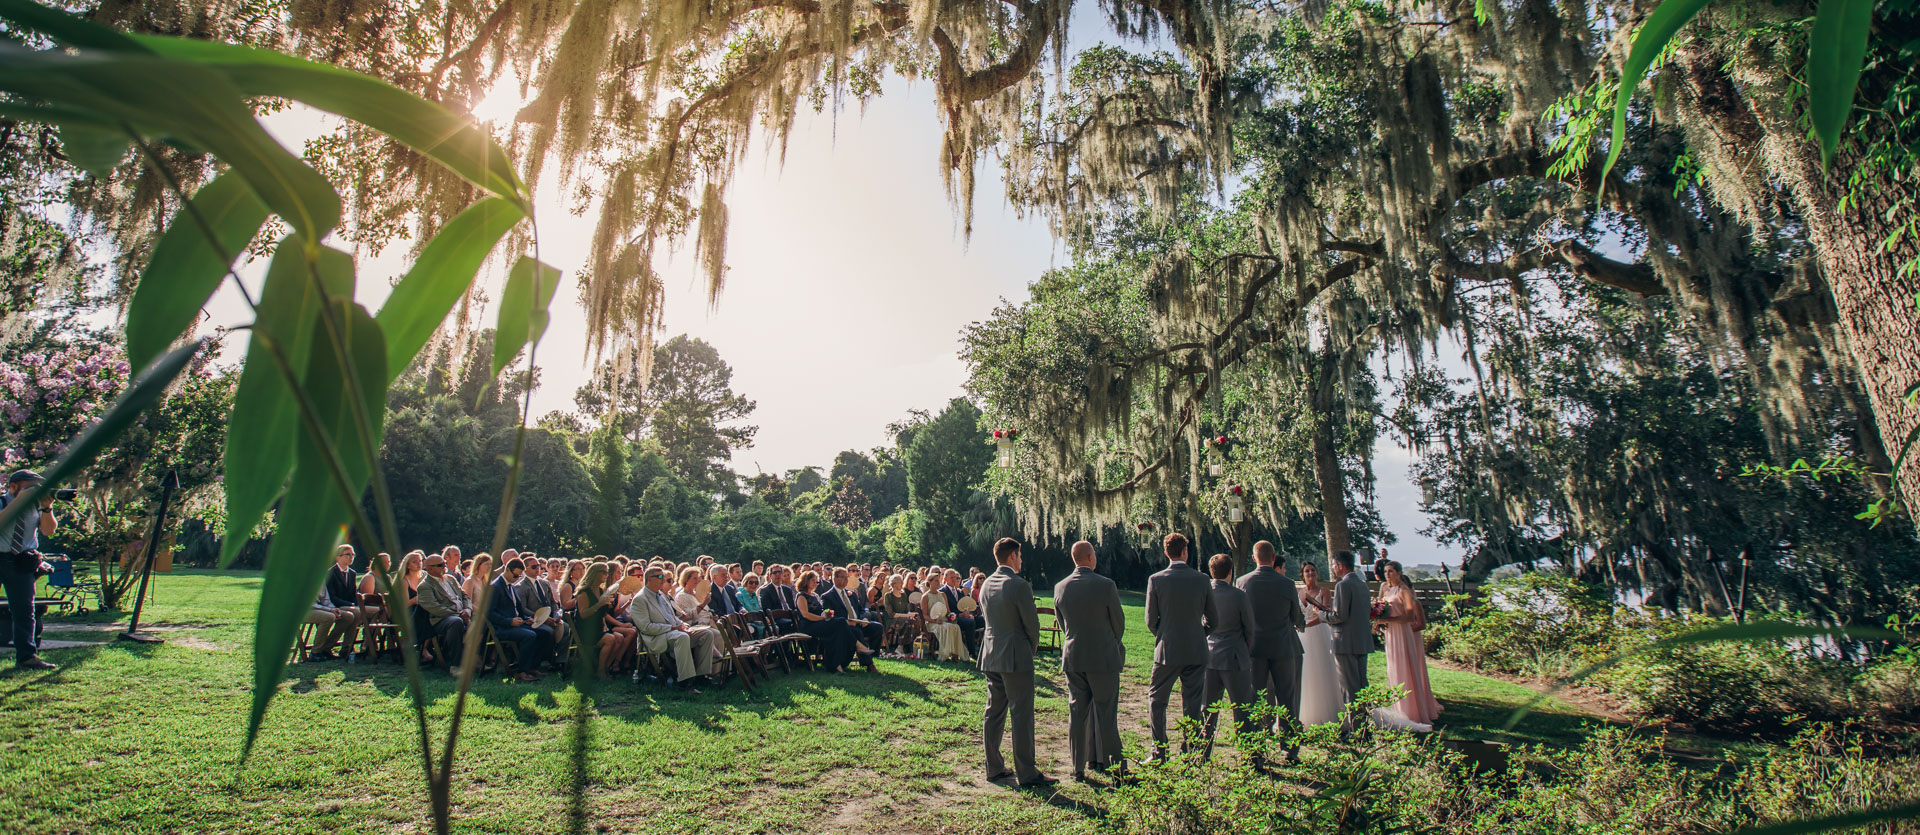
1730, 633
1835, 823
186, 267
523, 309
444, 270
1653, 37
449, 139
146, 390
181, 101
1836, 51
93, 150
263, 426
65, 28
314, 515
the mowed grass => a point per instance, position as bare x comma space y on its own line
147, 738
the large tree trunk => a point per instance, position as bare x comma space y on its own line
1875, 304
1326, 460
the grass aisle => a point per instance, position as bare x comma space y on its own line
136, 738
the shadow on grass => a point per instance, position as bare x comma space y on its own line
18, 683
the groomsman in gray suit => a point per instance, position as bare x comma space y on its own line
1229, 662
1179, 609
1352, 622
1088, 607
1276, 637
1006, 657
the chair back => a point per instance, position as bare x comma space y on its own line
62, 576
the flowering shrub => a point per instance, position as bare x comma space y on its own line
53, 395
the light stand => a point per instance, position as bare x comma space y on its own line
133, 633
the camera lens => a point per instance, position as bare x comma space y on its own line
66, 494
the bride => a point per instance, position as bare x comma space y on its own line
1319, 683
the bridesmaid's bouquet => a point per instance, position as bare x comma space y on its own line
1379, 609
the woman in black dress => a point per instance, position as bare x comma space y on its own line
830, 629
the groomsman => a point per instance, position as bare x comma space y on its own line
1006, 657
1352, 622
1088, 608
1276, 635
1229, 663
1179, 609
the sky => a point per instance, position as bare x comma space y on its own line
849, 281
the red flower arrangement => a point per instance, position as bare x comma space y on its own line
1005, 434
1237, 490
1217, 443
1145, 526
1379, 610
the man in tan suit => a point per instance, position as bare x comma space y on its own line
662, 631
1006, 657
1088, 607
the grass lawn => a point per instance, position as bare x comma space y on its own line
138, 738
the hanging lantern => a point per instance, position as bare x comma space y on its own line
1236, 504
1003, 438
1146, 532
1217, 456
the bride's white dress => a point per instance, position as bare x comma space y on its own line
1319, 682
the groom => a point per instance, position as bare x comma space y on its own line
1352, 624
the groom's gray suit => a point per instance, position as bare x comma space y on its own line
1352, 622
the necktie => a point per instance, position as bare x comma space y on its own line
513, 599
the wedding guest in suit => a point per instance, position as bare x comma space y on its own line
1179, 608
1087, 606
513, 623
1229, 655
543, 595
724, 600
329, 623
1352, 622
1006, 657
448, 610
662, 631
343, 591
1276, 636
847, 600
779, 595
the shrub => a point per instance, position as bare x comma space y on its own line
1537, 623
1891, 686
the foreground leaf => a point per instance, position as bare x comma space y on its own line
1648, 43
523, 309
93, 150
262, 428
187, 267
1836, 51
179, 100
441, 275
448, 138
146, 390
314, 516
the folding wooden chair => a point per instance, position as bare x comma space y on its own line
1049, 629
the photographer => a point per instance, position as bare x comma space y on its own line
20, 566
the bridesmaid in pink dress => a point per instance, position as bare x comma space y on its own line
1406, 649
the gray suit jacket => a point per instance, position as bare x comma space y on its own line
1179, 607
1352, 616
1276, 607
1088, 606
653, 615
1227, 642
1013, 626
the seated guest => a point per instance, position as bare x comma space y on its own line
690, 602
329, 623
662, 632
735, 574
456, 567
844, 598
829, 628
750, 593
778, 596
724, 598
479, 576
569, 586
343, 591
902, 626
513, 622
969, 624
448, 610
542, 595
939, 616
759, 567
600, 635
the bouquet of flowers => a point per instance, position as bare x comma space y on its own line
1379, 610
